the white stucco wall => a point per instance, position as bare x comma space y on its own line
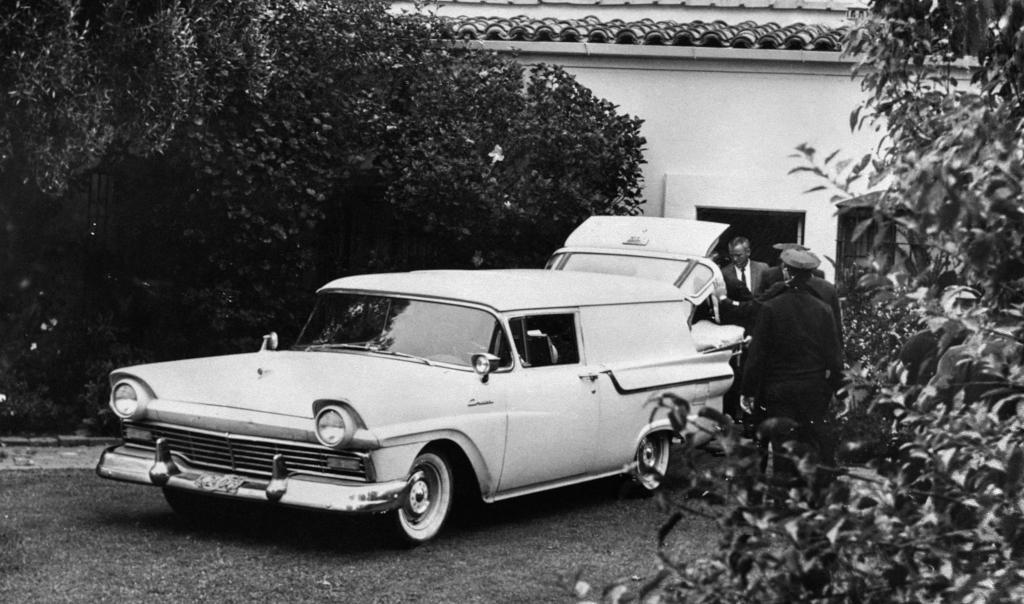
722, 124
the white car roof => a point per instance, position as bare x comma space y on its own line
640, 234
513, 289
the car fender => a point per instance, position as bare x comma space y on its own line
659, 425
393, 460
699, 430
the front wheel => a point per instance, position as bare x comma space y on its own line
428, 500
651, 462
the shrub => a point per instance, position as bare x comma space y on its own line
60, 381
258, 149
938, 521
25, 410
940, 518
875, 325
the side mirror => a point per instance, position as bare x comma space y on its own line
269, 342
484, 363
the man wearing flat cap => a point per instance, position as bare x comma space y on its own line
794, 364
773, 282
773, 274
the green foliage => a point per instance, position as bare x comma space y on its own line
493, 190
257, 149
54, 118
875, 326
938, 517
938, 521
59, 381
952, 163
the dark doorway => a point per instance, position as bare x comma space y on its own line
762, 228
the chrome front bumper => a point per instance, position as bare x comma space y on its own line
159, 468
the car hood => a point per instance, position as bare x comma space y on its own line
288, 382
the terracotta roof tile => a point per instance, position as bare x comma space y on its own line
716, 34
825, 5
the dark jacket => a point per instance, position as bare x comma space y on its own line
735, 289
823, 290
794, 340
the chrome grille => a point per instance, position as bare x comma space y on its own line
248, 455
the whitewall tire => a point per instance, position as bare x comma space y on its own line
651, 462
428, 500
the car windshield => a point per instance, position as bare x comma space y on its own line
430, 331
688, 275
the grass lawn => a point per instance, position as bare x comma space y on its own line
68, 536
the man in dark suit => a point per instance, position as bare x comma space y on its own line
743, 276
794, 363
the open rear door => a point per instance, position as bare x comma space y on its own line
648, 233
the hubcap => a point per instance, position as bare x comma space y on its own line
651, 461
428, 498
648, 455
419, 497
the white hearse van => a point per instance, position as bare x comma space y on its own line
405, 389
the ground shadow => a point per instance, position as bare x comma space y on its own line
310, 530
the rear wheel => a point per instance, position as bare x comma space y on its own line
651, 461
428, 500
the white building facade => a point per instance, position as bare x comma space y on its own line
727, 90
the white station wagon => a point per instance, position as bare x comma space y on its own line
404, 389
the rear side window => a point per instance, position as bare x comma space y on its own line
696, 280
645, 267
544, 340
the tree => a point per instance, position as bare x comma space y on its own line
953, 153
940, 517
251, 143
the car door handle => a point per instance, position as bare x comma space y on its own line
589, 376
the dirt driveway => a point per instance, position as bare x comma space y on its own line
68, 536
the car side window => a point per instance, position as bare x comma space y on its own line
697, 280
544, 340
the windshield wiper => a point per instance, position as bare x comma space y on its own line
370, 348
326, 346
404, 355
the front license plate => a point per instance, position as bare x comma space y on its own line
219, 483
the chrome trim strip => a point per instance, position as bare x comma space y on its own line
239, 453
554, 484
133, 464
621, 390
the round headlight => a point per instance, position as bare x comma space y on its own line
125, 400
330, 426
